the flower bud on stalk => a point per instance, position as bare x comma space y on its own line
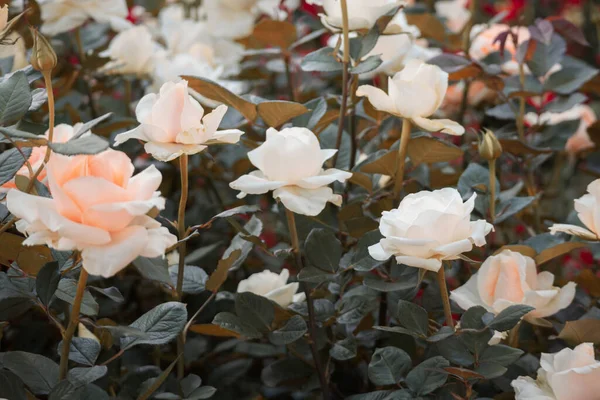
43, 57
490, 149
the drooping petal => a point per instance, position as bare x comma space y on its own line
170, 151
430, 264
306, 201
479, 230
439, 125
378, 98
255, 183
230, 136
324, 178
573, 230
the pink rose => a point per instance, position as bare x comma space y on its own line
173, 123
566, 375
97, 207
510, 278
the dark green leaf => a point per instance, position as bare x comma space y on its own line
428, 376
39, 373
83, 351
89, 144
15, 98
323, 250
66, 291
194, 278
46, 281
509, 317
293, 330
161, 325
343, 349
232, 322
412, 317
11, 161
155, 269
321, 60
388, 365
83, 376
255, 310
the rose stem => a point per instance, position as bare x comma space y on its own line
346, 62
513, 336
289, 74
441, 276
521, 115
312, 326
466, 47
401, 159
48, 81
492, 165
183, 170
73, 323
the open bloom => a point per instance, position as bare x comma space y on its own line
290, 162
97, 207
588, 211
566, 375
414, 93
429, 227
362, 14
272, 286
131, 52
63, 15
510, 278
580, 140
173, 123
62, 133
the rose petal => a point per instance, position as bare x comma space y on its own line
170, 151
306, 201
439, 125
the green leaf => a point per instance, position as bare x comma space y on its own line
490, 370
376, 283
11, 161
194, 278
39, 373
343, 350
323, 250
232, 322
252, 228
155, 269
89, 125
152, 385
321, 60
443, 333
512, 207
46, 281
83, 351
471, 319
255, 310
500, 354
427, 376
412, 317
161, 325
293, 330
509, 317
82, 376
369, 64
572, 76
11, 386
388, 365
67, 288
15, 98
546, 56
89, 144
454, 349
276, 113
285, 370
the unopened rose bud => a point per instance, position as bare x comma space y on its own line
43, 57
489, 146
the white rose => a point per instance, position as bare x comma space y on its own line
173, 123
415, 93
64, 15
510, 278
566, 375
362, 14
272, 286
290, 162
455, 13
131, 52
429, 227
588, 211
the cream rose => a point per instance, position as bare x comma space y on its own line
97, 207
429, 227
455, 13
580, 140
362, 14
414, 93
510, 278
272, 286
587, 207
62, 133
131, 52
60, 16
290, 162
173, 123
566, 375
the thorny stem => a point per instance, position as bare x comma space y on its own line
401, 159
73, 322
48, 82
183, 170
441, 276
346, 62
312, 326
492, 165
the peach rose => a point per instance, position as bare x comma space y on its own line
580, 140
173, 123
566, 375
482, 44
290, 162
429, 227
587, 207
62, 133
510, 278
478, 93
97, 207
